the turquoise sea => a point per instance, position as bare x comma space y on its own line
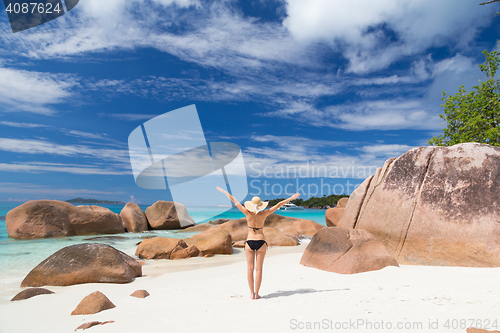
19, 256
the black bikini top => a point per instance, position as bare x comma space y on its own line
255, 229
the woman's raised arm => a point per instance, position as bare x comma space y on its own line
233, 199
281, 203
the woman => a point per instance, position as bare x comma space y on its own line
254, 249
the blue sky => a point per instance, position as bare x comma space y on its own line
342, 85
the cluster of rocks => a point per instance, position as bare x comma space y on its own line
101, 263
52, 218
83, 263
430, 206
95, 263
90, 304
221, 237
434, 206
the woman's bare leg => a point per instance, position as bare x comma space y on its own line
250, 254
259, 263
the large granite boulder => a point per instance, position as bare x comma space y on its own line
434, 206
158, 247
133, 218
333, 215
218, 221
342, 202
84, 263
304, 227
275, 237
52, 218
237, 229
93, 303
94, 220
180, 252
219, 242
289, 231
167, 215
346, 251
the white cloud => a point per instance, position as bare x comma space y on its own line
388, 114
384, 115
86, 135
98, 161
32, 91
296, 143
23, 125
36, 189
275, 63
40, 167
276, 159
374, 34
215, 36
371, 35
389, 150
278, 163
449, 74
100, 138
28, 146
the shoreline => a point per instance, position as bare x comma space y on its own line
19, 256
157, 267
215, 297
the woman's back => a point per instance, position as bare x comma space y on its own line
255, 224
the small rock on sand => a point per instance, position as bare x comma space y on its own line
93, 303
140, 294
31, 292
93, 323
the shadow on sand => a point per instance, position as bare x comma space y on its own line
283, 293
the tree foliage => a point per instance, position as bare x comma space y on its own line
488, 2
330, 200
473, 116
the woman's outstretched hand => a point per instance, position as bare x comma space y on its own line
295, 196
221, 190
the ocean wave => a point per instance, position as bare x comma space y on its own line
15, 254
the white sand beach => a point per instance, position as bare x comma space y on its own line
211, 295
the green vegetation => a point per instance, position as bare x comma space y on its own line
488, 2
330, 200
474, 116
94, 201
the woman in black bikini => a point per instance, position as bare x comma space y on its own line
254, 249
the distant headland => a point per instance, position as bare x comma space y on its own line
94, 201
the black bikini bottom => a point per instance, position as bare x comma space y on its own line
256, 244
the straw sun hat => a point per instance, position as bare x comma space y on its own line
256, 205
